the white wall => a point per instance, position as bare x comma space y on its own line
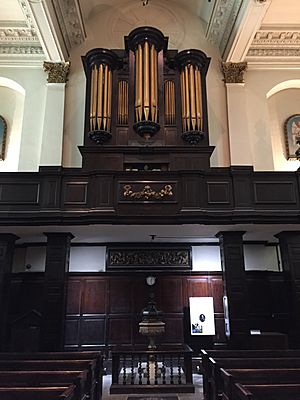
87, 259
206, 258
265, 133
260, 257
33, 80
93, 258
11, 109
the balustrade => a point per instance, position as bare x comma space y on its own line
165, 369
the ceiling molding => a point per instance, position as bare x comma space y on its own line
221, 22
249, 19
70, 21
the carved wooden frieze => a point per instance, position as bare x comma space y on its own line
149, 191
156, 257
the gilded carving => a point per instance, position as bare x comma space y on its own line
234, 72
145, 257
147, 192
57, 72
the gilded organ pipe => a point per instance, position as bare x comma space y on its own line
191, 98
122, 103
169, 103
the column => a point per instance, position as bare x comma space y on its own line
289, 242
235, 288
7, 246
52, 138
55, 291
239, 138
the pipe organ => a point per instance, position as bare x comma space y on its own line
146, 99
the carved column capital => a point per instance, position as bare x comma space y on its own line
234, 72
57, 72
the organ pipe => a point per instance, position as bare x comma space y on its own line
170, 103
146, 83
191, 98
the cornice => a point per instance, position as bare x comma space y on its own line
70, 21
20, 49
267, 38
222, 21
27, 14
18, 35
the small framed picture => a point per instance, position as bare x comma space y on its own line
292, 134
3, 130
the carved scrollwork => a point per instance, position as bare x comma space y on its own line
147, 192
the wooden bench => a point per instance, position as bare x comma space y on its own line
206, 354
215, 388
65, 355
266, 392
56, 365
46, 378
38, 393
256, 376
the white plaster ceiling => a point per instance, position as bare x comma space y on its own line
258, 31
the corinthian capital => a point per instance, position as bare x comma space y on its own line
234, 72
57, 72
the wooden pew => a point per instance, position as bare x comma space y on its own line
56, 365
230, 377
206, 354
266, 392
46, 378
38, 393
216, 384
65, 355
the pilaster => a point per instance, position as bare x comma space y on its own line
56, 276
52, 140
289, 242
235, 288
7, 246
239, 140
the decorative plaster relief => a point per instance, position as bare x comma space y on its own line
265, 38
22, 50
234, 72
222, 21
70, 21
279, 52
18, 35
27, 14
57, 72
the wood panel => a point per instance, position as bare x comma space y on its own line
120, 291
94, 297
120, 330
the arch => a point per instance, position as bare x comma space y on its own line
12, 102
290, 84
9, 83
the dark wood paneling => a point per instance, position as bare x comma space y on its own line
172, 299
218, 193
74, 296
217, 292
94, 297
92, 331
174, 329
120, 292
19, 193
274, 192
75, 193
72, 331
198, 287
120, 330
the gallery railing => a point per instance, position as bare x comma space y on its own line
165, 369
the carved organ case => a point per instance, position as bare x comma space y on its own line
146, 106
